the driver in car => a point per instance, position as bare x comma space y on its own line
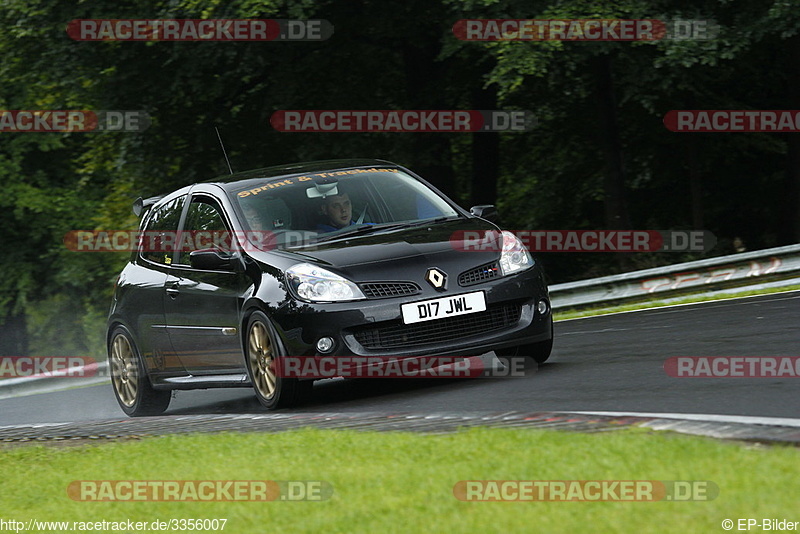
338, 212
253, 217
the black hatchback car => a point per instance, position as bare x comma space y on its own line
327, 259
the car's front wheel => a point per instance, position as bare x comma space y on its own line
262, 351
539, 352
132, 387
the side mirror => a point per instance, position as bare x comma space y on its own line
485, 211
211, 259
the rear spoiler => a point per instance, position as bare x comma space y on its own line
141, 205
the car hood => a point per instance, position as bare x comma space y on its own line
403, 254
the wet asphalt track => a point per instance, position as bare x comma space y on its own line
612, 363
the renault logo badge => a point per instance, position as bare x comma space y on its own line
436, 278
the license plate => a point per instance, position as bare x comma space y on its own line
428, 310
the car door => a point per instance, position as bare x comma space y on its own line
202, 307
146, 278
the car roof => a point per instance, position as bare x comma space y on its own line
280, 171
229, 182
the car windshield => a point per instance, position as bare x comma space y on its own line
300, 210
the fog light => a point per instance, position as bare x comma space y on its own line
325, 344
542, 307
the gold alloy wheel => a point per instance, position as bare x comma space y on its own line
124, 372
262, 360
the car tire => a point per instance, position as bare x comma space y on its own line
262, 347
539, 352
132, 388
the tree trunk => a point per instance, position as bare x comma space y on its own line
616, 206
14, 335
485, 152
695, 182
791, 197
425, 87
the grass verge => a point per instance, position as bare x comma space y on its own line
403, 482
562, 315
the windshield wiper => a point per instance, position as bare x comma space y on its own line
370, 228
423, 222
358, 230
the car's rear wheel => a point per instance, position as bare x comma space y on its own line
132, 387
262, 351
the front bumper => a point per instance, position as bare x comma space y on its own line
374, 327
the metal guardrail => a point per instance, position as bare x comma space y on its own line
29, 385
726, 271
673, 280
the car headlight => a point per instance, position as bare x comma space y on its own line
316, 284
515, 257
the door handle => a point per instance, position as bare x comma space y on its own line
173, 291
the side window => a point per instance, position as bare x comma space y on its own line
158, 241
204, 228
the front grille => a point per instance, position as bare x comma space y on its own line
392, 334
479, 274
381, 290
